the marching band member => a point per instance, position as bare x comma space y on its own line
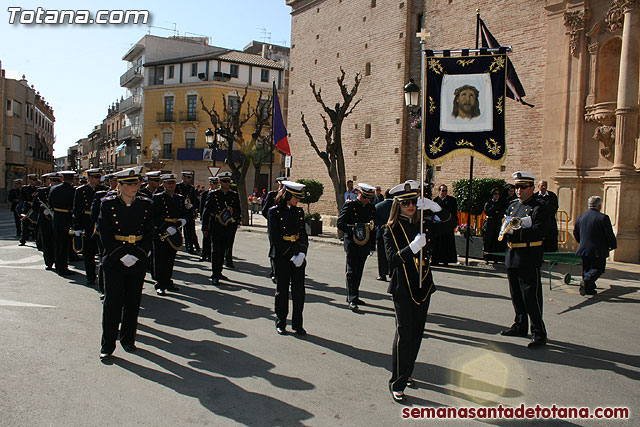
288, 250
61, 201
356, 220
83, 225
168, 218
26, 199
44, 228
525, 228
191, 204
205, 255
126, 232
404, 236
221, 211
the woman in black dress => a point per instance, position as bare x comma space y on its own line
494, 209
403, 239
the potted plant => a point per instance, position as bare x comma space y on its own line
312, 192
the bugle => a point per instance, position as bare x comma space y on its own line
509, 223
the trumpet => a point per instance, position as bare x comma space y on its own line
164, 236
509, 223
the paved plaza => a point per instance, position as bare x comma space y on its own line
210, 355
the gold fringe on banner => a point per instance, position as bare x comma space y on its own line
465, 152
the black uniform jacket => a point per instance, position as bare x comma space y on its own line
594, 232
167, 210
522, 254
40, 199
216, 202
26, 196
14, 198
82, 201
403, 263
188, 191
287, 231
61, 201
147, 193
268, 203
354, 212
126, 229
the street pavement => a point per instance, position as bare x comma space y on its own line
210, 355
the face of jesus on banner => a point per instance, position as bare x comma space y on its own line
465, 102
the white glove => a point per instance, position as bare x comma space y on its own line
128, 260
299, 259
182, 221
187, 205
172, 230
149, 254
527, 222
78, 233
428, 204
418, 242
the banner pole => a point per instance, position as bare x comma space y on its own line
470, 188
423, 132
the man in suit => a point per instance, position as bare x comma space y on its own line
594, 233
550, 198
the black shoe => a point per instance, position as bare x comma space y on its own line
590, 292
281, 331
91, 283
49, 267
353, 306
215, 281
105, 356
513, 332
360, 302
537, 342
222, 276
192, 252
129, 348
300, 331
173, 288
203, 258
382, 278
411, 382
22, 243
101, 297
161, 292
582, 289
230, 265
398, 396
67, 273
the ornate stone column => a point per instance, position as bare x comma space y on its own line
627, 108
622, 182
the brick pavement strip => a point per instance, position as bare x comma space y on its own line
210, 355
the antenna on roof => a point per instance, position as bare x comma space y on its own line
266, 35
281, 43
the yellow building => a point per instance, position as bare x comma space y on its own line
174, 124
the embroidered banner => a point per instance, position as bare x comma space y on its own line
465, 107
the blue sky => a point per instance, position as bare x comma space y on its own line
77, 68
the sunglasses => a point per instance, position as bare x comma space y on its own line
408, 202
225, 180
521, 186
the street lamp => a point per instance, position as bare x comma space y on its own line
211, 143
411, 94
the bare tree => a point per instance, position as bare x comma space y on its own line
332, 156
230, 126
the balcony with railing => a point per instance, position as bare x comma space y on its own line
186, 116
165, 117
126, 132
132, 77
130, 104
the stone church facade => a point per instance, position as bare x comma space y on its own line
578, 61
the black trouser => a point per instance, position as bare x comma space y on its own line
16, 218
123, 290
62, 242
206, 246
89, 251
526, 295
383, 263
289, 275
220, 241
45, 231
410, 321
190, 237
355, 268
592, 269
233, 228
101, 266
27, 228
165, 257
